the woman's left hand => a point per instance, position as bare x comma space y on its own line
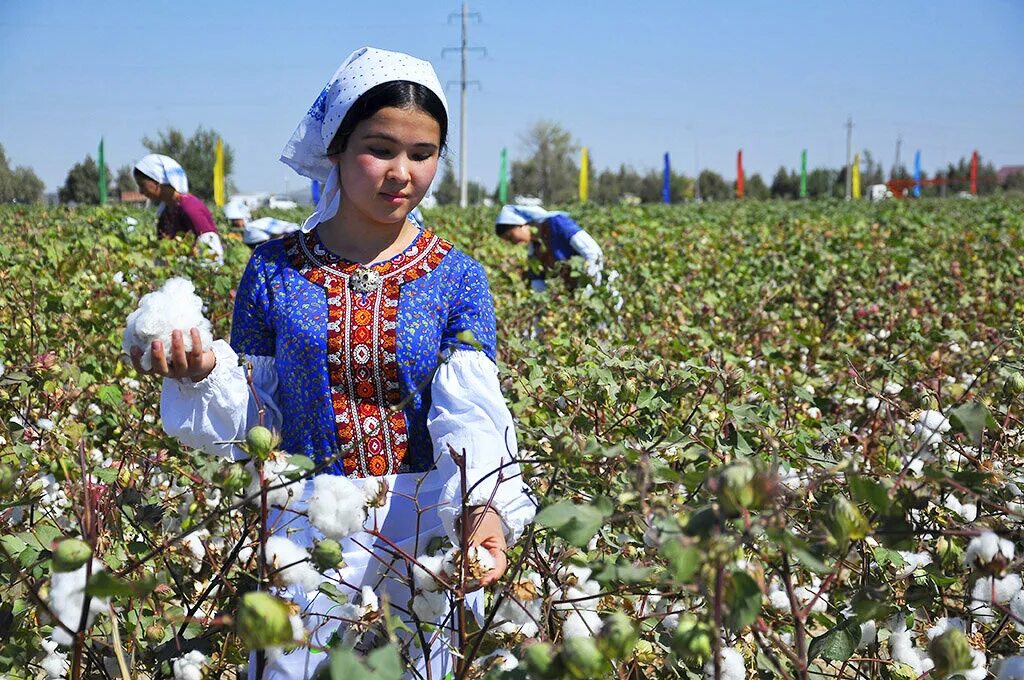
485, 529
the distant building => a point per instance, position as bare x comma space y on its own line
133, 198
1004, 173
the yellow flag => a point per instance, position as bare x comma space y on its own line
855, 175
218, 175
584, 175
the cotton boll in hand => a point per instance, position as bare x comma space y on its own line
174, 307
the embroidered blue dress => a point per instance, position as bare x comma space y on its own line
344, 359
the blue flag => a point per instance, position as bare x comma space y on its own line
316, 192
666, 182
917, 173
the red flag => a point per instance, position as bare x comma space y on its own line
739, 174
974, 173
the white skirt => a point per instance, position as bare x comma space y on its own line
409, 521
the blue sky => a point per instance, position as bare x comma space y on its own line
629, 80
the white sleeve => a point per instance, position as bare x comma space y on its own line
468, 413
209, 414
584, 244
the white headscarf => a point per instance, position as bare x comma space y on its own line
165, 170
306, 151
236, 210
516, 215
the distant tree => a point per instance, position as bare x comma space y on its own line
755, 188
785, 184
550, 171
610, 186
196, 154
82, 184
20, 184
125, 179
713, 187
871, 171
819, 181
447, 191
960, 176
1014, 182
475, 192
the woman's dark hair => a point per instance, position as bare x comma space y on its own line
500, 229
400, 94
138, 174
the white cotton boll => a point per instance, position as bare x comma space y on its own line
979, 668
581, 623
868, 634
913, 562
368, 602
195, 543
291, 564
902, 650
514, 617
967, 511
1012, 668
337, 506
375, 491
500, 659
1017, 611
986, 547
571, 573
280, 489
430, 607
175, 306
425, 572
67, 597
55, 663
778, 598
892, 388
943, 624
1001, 589
190, 666
930, 426
731, 663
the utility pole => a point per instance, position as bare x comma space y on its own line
849, 140
463, 49
696, 179
896, 165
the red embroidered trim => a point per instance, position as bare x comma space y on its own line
362, 357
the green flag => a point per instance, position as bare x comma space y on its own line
103, 176
803, 174
503, 178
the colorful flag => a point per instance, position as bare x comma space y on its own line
503, 178
917, 174
803, 174
855, 176
316, 192
974, 173
739, 174
103, 176
584, 174
218, 175
666, 181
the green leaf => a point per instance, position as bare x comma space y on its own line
869, 491
331, 591
386, 663
110, 395
621, 572
103, 584
345, 666
836, 644
743, 597
973, 419
302, 463
682, 560
577, 524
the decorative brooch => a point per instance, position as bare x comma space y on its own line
364, 280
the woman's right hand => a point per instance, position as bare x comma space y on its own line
196, 364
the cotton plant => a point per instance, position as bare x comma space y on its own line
175, 306
55, 664
731, 663
988, 550
337, 507
283, 482
930, 426
290, 565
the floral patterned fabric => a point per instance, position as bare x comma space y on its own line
344, 357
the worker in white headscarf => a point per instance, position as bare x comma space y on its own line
161, 179
551, 237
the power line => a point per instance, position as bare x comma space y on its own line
463, 176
